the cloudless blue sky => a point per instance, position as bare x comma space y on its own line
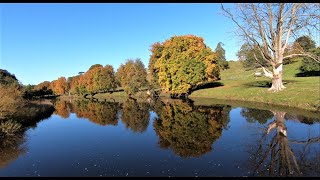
41, 42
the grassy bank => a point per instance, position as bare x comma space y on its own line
239, 84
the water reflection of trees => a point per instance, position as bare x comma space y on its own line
102, 113
253, 115
135, 115
62, 108
188, 130
274, 155
11, 147
12, 144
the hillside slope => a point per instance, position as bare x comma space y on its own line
239, 84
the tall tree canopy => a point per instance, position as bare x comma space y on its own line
105, 79
132, 75
156, 53
270, 27
59, 86
181, 63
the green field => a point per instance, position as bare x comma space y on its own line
239, 84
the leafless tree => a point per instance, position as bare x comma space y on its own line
271, 27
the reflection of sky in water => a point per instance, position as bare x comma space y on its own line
78, 147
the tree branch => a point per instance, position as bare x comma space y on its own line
261, 29
291, 21
317, 59
266, 73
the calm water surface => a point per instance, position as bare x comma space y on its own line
163, 138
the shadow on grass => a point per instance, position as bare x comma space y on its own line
266, 84
207, 85
308, 74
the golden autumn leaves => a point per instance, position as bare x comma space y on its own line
181, 63
176, 66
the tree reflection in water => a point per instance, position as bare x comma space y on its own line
62, 109
101, 113
135, 115
253, 115
11, 147
275, 157
188, 130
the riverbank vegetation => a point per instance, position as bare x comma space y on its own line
16, 112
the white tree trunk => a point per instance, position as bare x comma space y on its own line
276, 78
277, 84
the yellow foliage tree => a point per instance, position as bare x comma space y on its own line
181, 63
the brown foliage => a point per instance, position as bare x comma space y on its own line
11, 100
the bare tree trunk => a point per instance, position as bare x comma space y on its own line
276, 78
277, 84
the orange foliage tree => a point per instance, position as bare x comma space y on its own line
59, 86
96, 79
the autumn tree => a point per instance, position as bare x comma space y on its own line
77, 85
270, 27
181, 63
132, 76
104, 79
41, 89
91, 78
221, 56
11, 100
11, 94
96, 79
59, 86
45, 85
156, 53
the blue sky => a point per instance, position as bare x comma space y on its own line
41, 42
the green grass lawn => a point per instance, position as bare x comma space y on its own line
240, 84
